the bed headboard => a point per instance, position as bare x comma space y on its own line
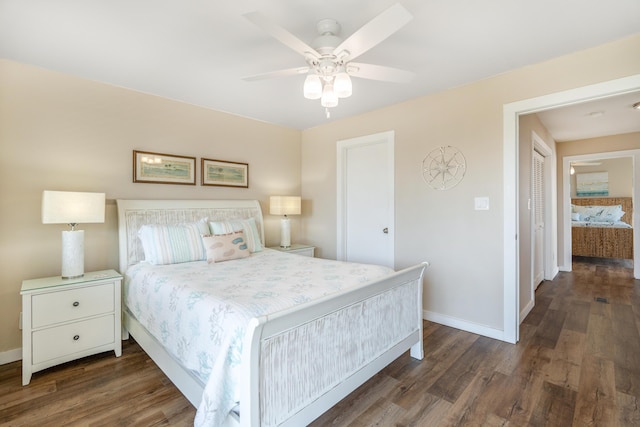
626, 202
133, 214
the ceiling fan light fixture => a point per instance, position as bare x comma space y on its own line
342, 85
328, 56
312, 87
329, 98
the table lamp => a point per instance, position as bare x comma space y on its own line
285, 205
73, 208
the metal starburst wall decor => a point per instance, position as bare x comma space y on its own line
444, 168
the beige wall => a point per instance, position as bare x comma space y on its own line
464, 246
63, 133
620, 172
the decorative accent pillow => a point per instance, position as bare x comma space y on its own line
247, 225
599, 213
224, 247
173, 244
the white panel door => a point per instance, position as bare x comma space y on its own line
366, 201
538, 218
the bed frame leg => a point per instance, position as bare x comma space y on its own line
417, 351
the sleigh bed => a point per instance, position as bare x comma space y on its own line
298, 348
604, 238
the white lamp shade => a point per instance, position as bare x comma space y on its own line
329, 98
312, 87
285, 205
69, 207
342, 85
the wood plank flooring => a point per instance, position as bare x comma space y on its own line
577, 363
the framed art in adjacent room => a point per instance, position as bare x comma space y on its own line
225, 174
592, 184
163, 168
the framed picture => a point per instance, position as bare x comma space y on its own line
163, 168
225, 174
592, 184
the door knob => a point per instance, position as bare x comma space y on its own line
385, 230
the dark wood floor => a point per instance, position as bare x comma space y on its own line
577, 363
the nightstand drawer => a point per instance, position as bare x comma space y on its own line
72, 338
64, 306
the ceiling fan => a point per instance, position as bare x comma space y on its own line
329, 58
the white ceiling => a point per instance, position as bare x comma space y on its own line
607, 116
197, 51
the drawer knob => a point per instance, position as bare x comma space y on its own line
76, 337
76, 303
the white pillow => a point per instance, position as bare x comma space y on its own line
224, 247
599, 213
173, 244
247, 225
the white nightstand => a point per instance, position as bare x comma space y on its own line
304, 250
66, 319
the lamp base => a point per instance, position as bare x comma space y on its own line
72, 254
285, 233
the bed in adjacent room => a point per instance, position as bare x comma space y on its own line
253, 336
602, 227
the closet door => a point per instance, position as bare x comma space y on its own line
538, 218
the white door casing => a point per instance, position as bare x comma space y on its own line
365, 199
511, 113
566, 201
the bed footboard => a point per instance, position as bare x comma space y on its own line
304, 360
602, 242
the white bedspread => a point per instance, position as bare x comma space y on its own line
199, 311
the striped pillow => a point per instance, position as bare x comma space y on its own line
173, 244
247, 225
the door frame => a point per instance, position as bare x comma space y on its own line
634, 154
511, 114
342, 147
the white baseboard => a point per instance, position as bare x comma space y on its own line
10, 356
525, 311
554, 273
464, 325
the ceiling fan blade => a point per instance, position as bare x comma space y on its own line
279, 73
281, 34
375, 31
379, 72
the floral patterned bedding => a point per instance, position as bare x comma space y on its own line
198, 311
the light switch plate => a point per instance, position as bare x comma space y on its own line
482, 203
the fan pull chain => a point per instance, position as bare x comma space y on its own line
327, 112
